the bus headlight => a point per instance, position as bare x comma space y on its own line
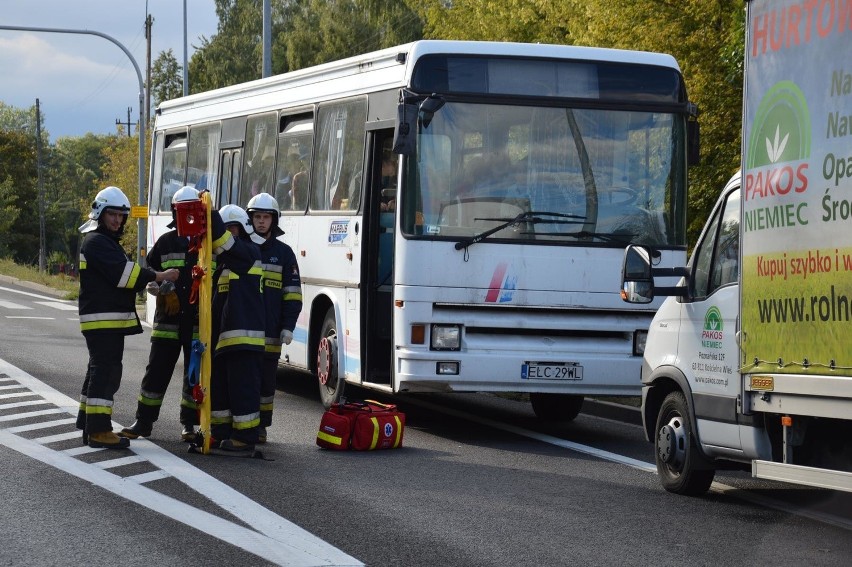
640, 337
446, 337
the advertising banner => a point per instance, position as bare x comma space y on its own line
797, 188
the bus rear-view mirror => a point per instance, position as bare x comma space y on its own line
637, 284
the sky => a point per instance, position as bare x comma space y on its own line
84, 82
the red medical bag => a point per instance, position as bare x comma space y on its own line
363, 426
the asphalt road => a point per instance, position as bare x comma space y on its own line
479, 481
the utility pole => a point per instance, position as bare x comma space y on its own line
185, 62
41, 238
267, 39
128, 123
149, 21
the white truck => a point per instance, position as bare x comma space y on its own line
748, 362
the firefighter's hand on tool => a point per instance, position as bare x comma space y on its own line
169, 275
172, 303
153, 288
286, 337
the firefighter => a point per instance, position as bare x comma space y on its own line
238, 332
175, 326
282, 295
109, 281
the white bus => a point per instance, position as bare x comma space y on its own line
459, 210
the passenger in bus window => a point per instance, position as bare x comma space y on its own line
282, 295
175, 324
390, 162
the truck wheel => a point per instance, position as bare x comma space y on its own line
330, 387
556, 407
682, 468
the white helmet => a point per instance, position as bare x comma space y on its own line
266, 203
108, 198
185, 193
232, 214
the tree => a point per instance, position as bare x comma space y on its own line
19, 232
121, 157
233, 55
166, 78
72, 169
328, 30
304, 33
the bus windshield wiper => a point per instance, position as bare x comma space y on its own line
606, 237
530, 217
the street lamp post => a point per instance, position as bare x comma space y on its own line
142, 227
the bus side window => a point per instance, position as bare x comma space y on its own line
336, 175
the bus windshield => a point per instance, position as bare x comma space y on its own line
607, 177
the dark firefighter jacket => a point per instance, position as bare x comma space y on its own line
172, 251
109, 282
238, 310
282, 292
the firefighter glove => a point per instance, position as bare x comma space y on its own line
167, 287
286, 337
153, 288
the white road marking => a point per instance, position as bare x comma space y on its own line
16, 395
10, 305
42, 425
29, 414
268, 535
47, 440
27, 293
120, 462
58, 305
28, 403
22, 317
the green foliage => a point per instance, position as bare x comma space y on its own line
121, 169
166, 78
22, 120
234, 54
19, 236
304, 33
327, 30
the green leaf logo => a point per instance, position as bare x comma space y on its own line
781, 130
713, 319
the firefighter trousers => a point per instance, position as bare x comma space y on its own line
161, 365
235, 395
103, 377
268, 383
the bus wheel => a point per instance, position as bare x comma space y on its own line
556, 407
680, 465
330, 387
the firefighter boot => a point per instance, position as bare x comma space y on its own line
107, 440
140, 428
188, 433
261, 435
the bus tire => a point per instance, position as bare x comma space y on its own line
556, 407
330, 383
681, 466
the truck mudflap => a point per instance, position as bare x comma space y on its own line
810, 476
